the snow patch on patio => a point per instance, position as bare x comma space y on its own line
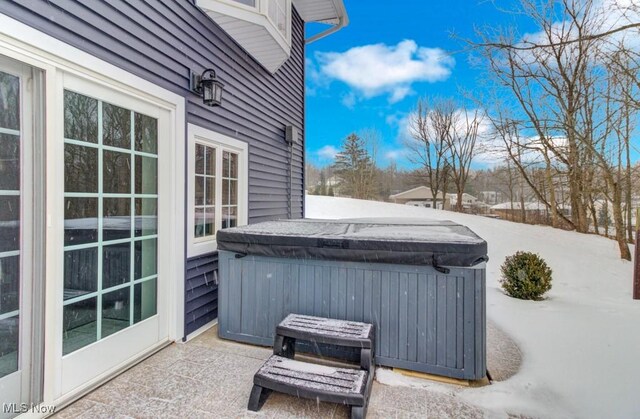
579, 346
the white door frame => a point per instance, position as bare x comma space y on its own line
28, 45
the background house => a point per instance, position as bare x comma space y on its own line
141, 171
420, 196
468, 201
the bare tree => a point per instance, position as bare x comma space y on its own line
561, 90
430, 125
461, 144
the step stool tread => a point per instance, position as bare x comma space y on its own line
313, 377
321, 327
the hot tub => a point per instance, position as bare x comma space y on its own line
422, 283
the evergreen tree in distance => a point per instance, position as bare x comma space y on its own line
354, 167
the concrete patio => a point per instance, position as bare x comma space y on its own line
211, 378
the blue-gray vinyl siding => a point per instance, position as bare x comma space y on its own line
201, 291
160, 41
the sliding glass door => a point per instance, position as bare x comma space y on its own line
20, 342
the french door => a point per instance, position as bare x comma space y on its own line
112, 296
21, 292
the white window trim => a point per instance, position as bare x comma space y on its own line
200, 135
33, 47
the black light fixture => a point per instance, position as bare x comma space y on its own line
208, 86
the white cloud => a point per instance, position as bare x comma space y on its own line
379, 69
327, 152
394, 119
395, 155
349, 100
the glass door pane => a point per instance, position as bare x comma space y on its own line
20, 294
111, 210
10, 220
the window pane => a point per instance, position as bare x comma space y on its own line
117, 219
230, 165
9, 285
144, 297
79, 327
226, 200
80, 272
115, 311
226, 166
116, 126
80, 221
146, 133
80, 169
251, 3
210, 222
146, 263
9, 101
9, 223
146, 217
116, 172
146, 175
210, 161
229, 217
9, 338
199, 190
230, 192
116, 264
233, 163
200, 159
9, 162
80, 117
198, 222
233, 192
210, 191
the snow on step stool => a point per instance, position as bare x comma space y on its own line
305, 375
311, 381
331, 331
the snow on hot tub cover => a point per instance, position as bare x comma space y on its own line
379, 240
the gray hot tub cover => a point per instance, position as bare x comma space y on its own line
379, 240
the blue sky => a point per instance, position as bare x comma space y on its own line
416, 56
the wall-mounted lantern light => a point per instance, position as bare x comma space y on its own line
208, 86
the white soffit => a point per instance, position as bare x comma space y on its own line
324, 11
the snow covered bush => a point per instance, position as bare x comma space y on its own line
526, 276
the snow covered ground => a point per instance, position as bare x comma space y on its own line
581, 346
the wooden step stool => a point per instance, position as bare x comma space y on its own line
303, 379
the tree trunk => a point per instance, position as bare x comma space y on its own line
628, 195
594, 215
618, 220
523, 209
552, 192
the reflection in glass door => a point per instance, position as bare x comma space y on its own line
9, 222
19, 344
110, 211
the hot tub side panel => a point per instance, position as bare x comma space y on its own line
425, 321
